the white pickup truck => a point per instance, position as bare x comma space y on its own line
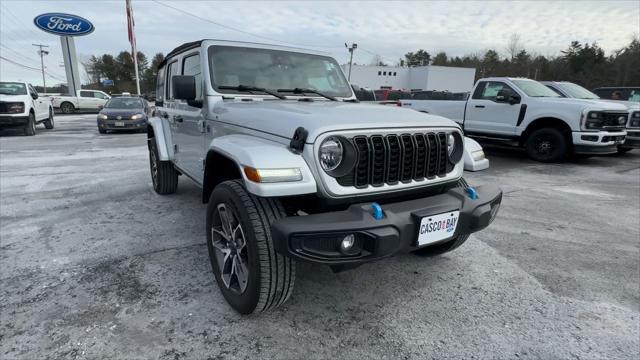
86, 100
526, 113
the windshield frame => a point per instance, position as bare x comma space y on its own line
348, 94
24, 87
118, 98
568, 87
519, 84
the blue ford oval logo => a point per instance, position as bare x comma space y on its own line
63, 24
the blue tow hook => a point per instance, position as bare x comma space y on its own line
378, 214
473, 194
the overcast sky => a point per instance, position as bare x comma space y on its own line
389, 29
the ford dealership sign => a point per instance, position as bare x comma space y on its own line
63, 24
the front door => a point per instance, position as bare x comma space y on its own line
40, 105
86, 100
484, 114
190, 136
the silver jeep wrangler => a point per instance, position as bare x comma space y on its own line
293, 168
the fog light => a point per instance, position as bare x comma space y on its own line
347, 243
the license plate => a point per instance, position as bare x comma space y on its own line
119, 123
437, 227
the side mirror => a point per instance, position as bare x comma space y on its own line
184, 87
514, 99
503, 96
34, 96
100, 107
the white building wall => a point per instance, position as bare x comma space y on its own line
442, 78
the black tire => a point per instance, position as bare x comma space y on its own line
48, 124
269, 276
67, 108
163, 174
547, 145
624, 150
441, 248
30, 128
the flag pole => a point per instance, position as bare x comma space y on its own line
132, 40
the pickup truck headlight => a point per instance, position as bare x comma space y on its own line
137, 117
102, 117
594, 120
15, 107
635, 119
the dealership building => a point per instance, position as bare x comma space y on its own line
440, 78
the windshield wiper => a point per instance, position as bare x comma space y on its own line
310, 91
253, 88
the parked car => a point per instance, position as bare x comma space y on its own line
22, 107
124, 113
85, 100
525, 113
575, 91
628, 93
294, 169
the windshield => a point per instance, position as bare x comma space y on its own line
12, 88
124, 103
275, 69
534, 88
576, 91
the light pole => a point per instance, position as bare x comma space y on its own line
42, 53
353, 47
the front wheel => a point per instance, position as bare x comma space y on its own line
546, 145
30, 128
48, 124
250, 274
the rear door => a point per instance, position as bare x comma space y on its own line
485, 115
190, 134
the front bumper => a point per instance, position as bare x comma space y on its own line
126, 124
632, 140
597, 142
316, 238
13, 121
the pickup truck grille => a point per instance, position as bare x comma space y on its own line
610, 119
391, 159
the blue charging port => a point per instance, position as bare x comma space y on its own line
378, 214
473, 194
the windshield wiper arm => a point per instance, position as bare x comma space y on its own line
310, 91
253, 88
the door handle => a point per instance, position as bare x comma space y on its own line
480, 106
177, 118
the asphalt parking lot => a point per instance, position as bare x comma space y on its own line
94, 264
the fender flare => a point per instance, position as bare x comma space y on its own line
260, 153
159, 130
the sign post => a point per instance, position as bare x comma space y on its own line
67, 26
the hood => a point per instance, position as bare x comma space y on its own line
4, 97
121, 112
281, 118
597, 104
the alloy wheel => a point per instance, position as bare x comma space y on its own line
229, 242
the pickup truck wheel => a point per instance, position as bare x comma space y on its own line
250, 274
439, 249
546, 145
30, 128
163, 174
48, 124
67, 107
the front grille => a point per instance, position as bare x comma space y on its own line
115, 117
393, 159
610, 119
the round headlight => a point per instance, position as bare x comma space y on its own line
451, 144
330, 153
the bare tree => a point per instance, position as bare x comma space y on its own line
377, 60
514, 46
